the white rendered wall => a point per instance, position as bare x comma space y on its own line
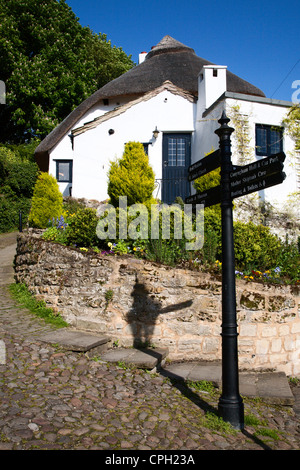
270, 114
100, 109
95, 148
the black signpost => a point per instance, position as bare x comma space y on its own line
207, 198
205, 165
230, 403
244, 180
235, 182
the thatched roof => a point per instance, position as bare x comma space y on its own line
169, 61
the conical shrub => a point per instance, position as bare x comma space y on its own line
47, 201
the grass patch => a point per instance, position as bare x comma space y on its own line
260, 427
266, 432
216, 423
252, 420
202, 386
24, 298
294, 381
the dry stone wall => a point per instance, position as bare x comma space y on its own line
135, 301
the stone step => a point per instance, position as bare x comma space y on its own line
146, 358
273, 387
77, 341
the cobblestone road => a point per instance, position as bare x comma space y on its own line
59, 400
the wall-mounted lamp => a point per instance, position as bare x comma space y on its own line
155, 133
72, 140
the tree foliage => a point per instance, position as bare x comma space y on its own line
49, 64
131, 176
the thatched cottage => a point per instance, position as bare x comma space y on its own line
171, 102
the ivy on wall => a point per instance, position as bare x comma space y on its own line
241, 137
291, 122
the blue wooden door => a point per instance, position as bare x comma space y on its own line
176, 160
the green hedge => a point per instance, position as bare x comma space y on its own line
9, 212
18, 175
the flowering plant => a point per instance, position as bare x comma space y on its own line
270, 275
59, 222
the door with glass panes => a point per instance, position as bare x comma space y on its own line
176, 160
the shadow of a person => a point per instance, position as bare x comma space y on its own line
142, 319
144, 312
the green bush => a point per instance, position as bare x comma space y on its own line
255, 246
289, 261
169, 252
81, 230
212, 247
72, 205
131, 176
47, 201
24, 151
17, 176
10, 208
55, 234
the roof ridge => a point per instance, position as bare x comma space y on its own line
169, 41
168, 44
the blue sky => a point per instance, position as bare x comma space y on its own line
257, 40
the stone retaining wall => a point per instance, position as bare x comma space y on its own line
135, 301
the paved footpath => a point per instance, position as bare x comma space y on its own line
52, 399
